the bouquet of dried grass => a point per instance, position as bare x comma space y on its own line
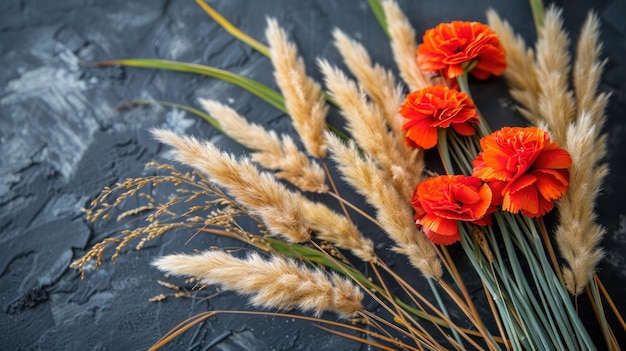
497, 188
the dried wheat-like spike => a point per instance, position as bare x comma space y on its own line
260, 192
303, 96
520, 68
330, 226
392, 211
276, 283
588, 70
380, 86
403, 46
578, 234
271, 151
555, 100
368, 127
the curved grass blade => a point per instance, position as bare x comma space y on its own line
189, 109
379, 13
234, 31
271, 96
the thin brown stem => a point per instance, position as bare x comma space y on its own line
335, 190
609, 300
548, 244
361, 212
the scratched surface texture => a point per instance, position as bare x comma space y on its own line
61, 142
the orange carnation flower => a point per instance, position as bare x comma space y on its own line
450, 48
436, 107
440, 202
524, 168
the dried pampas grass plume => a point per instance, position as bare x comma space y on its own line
587, 71
403, 46
271, 151
392, 211
578, 234
259, 192
330, 226
368, 127
275, 283
380, 86
555, 101
303, 96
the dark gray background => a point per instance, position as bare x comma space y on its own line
61, 143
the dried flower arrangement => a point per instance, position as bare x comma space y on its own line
497, 188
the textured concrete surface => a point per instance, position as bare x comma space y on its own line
61, 143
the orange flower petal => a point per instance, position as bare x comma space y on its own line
439, 239
441, 226
524, 169
555, 158
440, 202
430, 108
448, 46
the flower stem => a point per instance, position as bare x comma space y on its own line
444, 152
537, 8
483, 127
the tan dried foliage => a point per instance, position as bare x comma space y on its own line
303, 96
403, 46
258, 191
369, 129
275, 283
278, 153
392, 211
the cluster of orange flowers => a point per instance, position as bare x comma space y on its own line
518, 169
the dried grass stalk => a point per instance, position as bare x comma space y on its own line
555, 100
368, 127
392, 211
276, 283
271, 151
520, 68
303, 96
578, 234
260, 192
379, 84
403, 46
588, 70
330, 226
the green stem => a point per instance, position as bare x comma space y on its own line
483, 127
189, 109
379, 13
538, 13
444, 152
315, 256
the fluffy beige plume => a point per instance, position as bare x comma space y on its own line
555, 100
392, 211
403, 46
578, 234
520, 68
330, 226
303, 96
272, 152
276, 283
588, 70
379, 84
260, 192
369, 128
